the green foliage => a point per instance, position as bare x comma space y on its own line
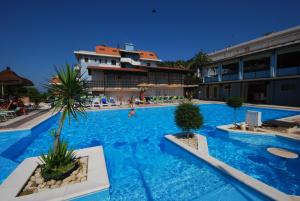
67, 99
34, 95
198, 61
188, 117
58, 164
234, 102
66, 94
177, 63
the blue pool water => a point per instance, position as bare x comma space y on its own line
143, 166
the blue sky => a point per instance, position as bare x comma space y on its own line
37, 35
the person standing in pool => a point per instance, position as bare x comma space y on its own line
131, 112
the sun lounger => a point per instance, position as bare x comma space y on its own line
96, 102
160, 99
112, 101
2, 117
104, 101
10, 113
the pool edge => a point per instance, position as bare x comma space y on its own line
247, 180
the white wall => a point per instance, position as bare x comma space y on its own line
92, 62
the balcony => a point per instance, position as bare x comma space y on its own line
257, 74
131, 83
131, 61
230, 77
211, 79
281, 72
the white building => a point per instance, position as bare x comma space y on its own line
124, 72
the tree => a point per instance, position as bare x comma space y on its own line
59, 162
178, 63
34, 95
66, 94
235, 103
198, 61
188, 117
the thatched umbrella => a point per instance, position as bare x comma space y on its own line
10, 78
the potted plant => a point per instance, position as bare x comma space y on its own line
235, 103
188, 117
59, 162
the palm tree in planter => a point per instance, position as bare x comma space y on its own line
235, 103
188, 117
59, 162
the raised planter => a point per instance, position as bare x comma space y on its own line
97, 179
197, 142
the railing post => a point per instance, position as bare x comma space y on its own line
273, 64
241, 69
219, 72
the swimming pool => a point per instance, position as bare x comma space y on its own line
139, 166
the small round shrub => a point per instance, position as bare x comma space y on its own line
234, 102
188, 117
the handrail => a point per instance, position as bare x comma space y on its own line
125, 83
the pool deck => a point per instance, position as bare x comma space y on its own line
27, 123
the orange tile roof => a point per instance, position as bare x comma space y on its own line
101, 49
147, 55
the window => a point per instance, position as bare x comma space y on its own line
105, 61
86, 59
95, 60
113, 62
148, 64
100, 61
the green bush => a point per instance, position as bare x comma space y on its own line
188, 117
58, 164
235, 103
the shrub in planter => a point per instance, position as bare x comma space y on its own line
58, 164
188, 117
235, 103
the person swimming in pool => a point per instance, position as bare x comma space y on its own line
131, 112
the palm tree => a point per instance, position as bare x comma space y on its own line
198, 61
67, 95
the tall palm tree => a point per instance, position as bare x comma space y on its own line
67, 95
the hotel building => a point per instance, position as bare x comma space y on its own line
264, 70
124, 72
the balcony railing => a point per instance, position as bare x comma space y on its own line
288, 71
230, 77
131, 61
257, 74
211, 79
132, 83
